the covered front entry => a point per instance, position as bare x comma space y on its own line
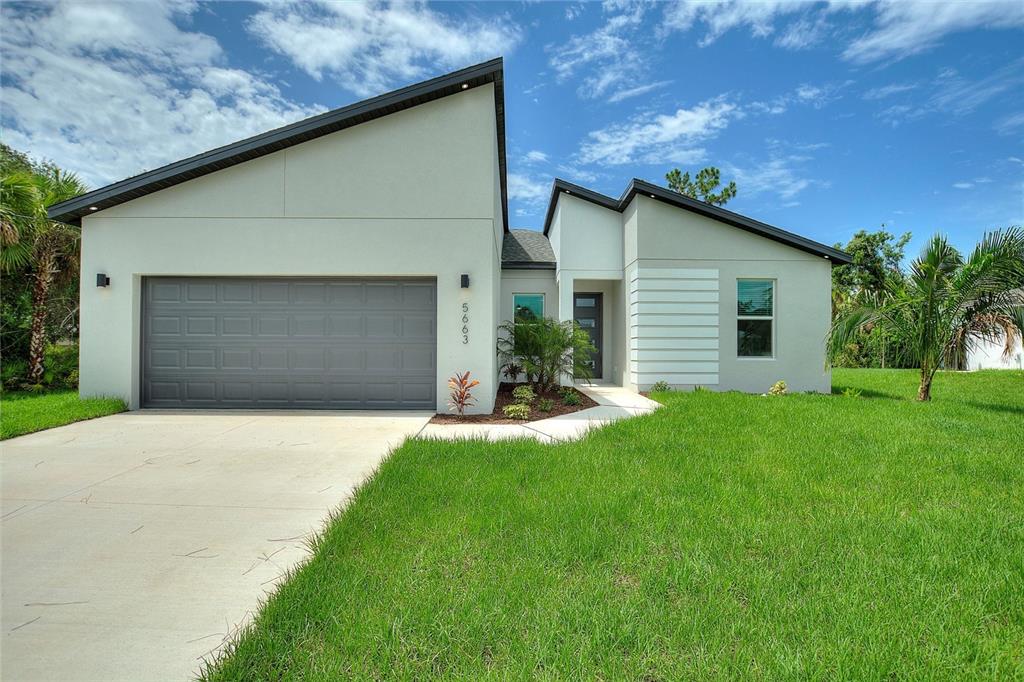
588, 312
276, 342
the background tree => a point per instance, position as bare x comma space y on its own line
35, 253
703, 186
877, 264
945, 303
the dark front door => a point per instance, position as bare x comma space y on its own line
586, 310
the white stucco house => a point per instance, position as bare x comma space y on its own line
359, 258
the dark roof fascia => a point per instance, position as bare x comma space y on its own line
637, 186
559, 186
527, 265
73, 210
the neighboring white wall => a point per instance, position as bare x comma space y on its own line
673, 239
410, 194
990, 356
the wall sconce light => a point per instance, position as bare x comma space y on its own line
102, 280
465, 281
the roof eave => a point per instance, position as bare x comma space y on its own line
638, 186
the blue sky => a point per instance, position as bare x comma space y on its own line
831, 117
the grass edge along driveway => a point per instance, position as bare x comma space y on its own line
23, 413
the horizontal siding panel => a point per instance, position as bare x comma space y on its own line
654, 295
673, 344
673, 354
674, 285
678, 308
644, 380
666, 320
655, 332
683, 367
676, 273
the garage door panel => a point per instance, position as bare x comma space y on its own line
280, 343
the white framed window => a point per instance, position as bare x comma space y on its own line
755, 318
527, 307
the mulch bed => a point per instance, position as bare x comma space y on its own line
504, 398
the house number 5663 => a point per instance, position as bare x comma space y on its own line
465, 323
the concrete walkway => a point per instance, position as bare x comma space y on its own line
133, 545
613, 403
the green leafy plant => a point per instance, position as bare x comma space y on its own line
945, 305
524, 394
778, 388
547, 350
851, 392
545, 404
512, 370
660, 386
517, 411
571, 397
701, 389
461, 395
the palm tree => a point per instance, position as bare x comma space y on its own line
31, 242
946, 304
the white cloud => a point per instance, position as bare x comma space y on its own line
960, 96
528, 190
536, 156
802, 34
900, 27
907, 27
611, 53
719, 17
111, 90
369, 48
637, 91
963, 185
780, 174
573, 11
889, 90
1011, 123
659, 138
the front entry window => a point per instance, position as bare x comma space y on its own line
527, 307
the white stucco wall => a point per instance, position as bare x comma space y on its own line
693, 247
410, 194
989, 355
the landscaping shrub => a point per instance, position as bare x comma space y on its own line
778, 388
60, 369
545, 404
571, 397
517, 411
546, 350
524, 394
660, 386
461, 395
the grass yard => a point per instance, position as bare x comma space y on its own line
727, 535
22, 413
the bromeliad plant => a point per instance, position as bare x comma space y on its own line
545, 350
946, 304
461, 395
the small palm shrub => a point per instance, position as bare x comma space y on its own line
545, 404
517, 411
546, 350
571, 397
461, 395
660, 386
524, 394
778, 388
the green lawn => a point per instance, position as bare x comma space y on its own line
727, 535
22, 413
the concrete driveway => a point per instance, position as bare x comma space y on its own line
132, 546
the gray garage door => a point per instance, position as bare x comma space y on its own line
301, 343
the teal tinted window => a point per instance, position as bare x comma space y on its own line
754, 297
528, 307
